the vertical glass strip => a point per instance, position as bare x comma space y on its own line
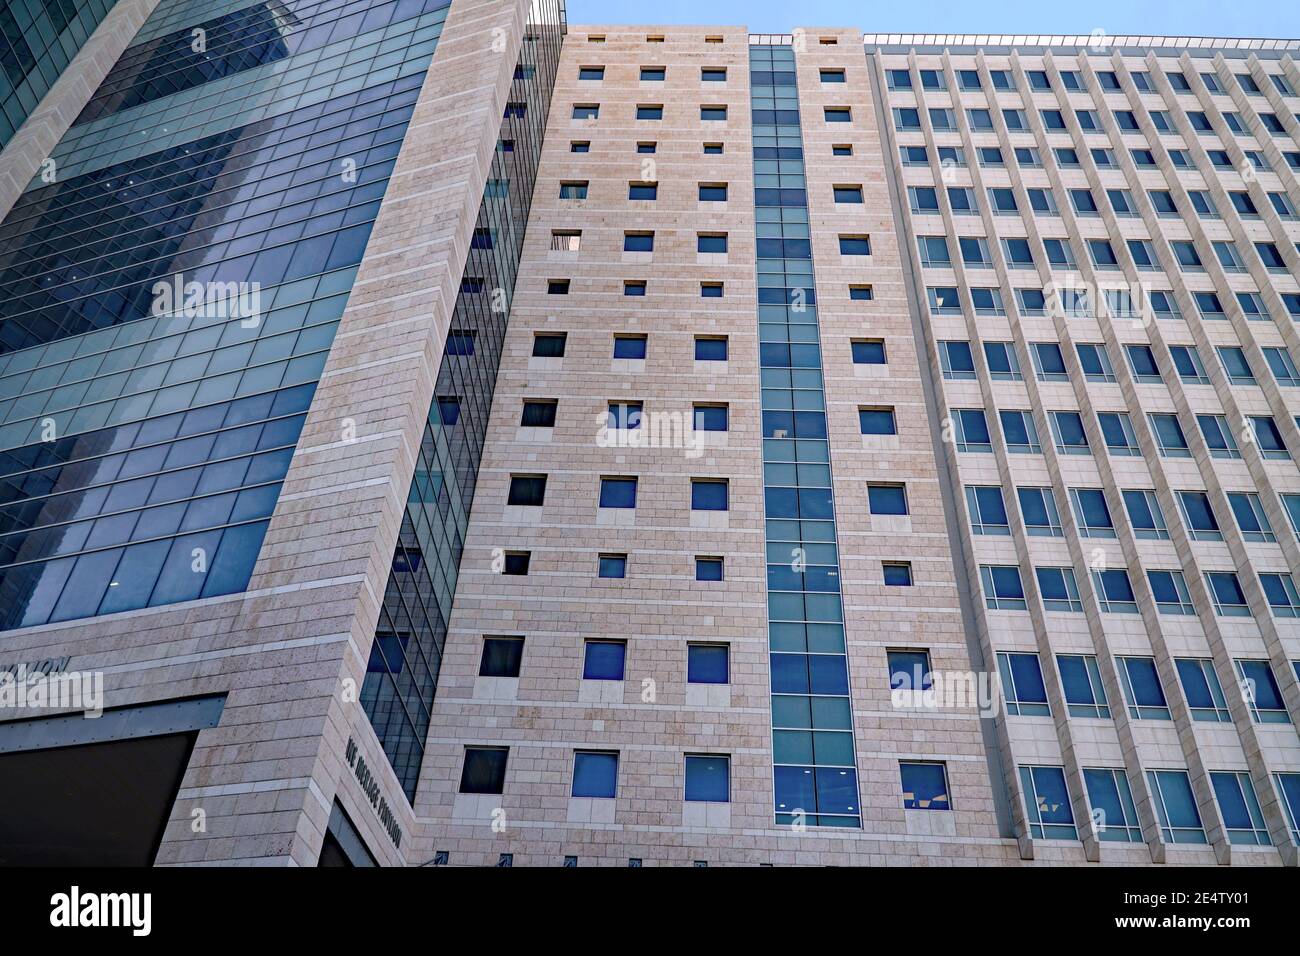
812, 716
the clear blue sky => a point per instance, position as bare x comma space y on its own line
1239, 18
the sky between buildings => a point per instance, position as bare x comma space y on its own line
1253, 18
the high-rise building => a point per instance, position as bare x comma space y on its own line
451, 437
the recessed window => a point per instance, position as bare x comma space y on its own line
484, 770
710, 349
841, 149
832, 76
591, 72
897, 574
624, 415
527, 491
648, 191
710, 418
611, 566
650, 111
710, 290
708, 778
708, 569
653, 74
638, 242
618, 492
887, 499
709, 494
515, 562
539, 413
557, 287
868, 351
1142, 688
566, 240
713, 114
595, 774
925, 786
707, 664
713, 192
573, 190
501, 657
711, 242
549, 344
647, 148
603, 660
1023, 689
877, 421
1047, 803
586, 111
848, 194
713, 74
630, 347
580, 146
837, 114
712, 149
860, 293
855, 245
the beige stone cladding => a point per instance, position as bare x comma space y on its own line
654, 718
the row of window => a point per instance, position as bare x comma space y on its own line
1114, 815
957, 361
649, 111
1073, 81
1025, 694
1038, 509
923, 785
850, 193
635, 346
614, 565
944, 119
707, 777
708, 74
643, 240
969, 431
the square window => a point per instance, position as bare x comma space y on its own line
516, 562
595, 774
618, 492
603, 660
887, 499
708, 569
708, 495
501, 657
549, 344
484, 770
612, 566
527, 491
898, 574
925, 786
707, 663
708, 778
710, 349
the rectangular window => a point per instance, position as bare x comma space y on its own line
644, 191
630, 347
711, 242
708, 494
1047, 803
573, 190
549, 344
713, 192
855, 245
988, 513
1112, 806
1238, 806
1059, 590
1142, 689
1145, 514
710, 349
1202, 690
713, 114
1038, 508
1259, 688
1085, 696
1022, 685
1169, 589
887, 499
710, 418
638, 242
909, 670
1180, 821
527, 490
868, 351
877, 421
650, 111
